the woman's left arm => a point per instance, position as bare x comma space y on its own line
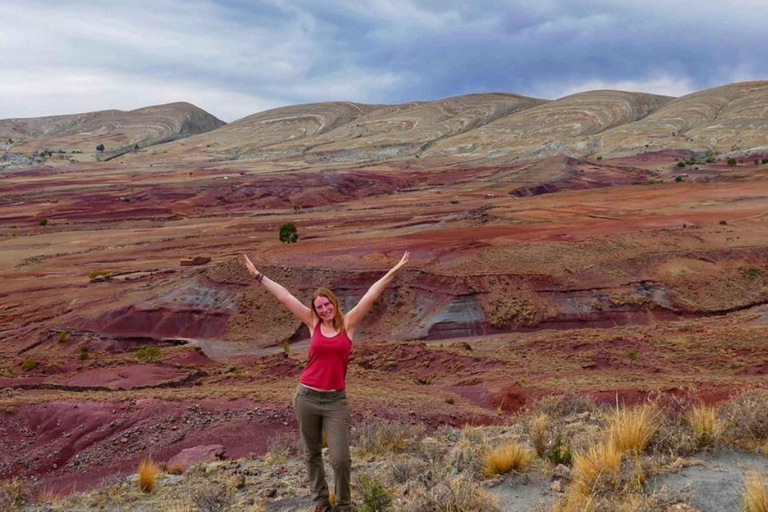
356, 314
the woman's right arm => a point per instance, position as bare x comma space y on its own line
293, 304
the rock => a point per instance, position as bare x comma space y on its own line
681, 507
561, 471
170, 480
197, 260
195, 455
557, 486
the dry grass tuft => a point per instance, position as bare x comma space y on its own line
14, 494
765, 447
538, 433
456, 495
506, 458
745, 418
381, 437
148, 473
703, 421
630, 430
596, 468
755, 495
212, 497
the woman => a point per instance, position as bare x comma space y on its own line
321, 401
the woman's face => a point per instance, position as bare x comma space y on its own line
324, 308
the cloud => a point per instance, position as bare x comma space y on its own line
233, 57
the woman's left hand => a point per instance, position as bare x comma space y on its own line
403, 261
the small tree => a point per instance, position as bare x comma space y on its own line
43, 222
148, 354
632, 354
83, 356
288, 233
678, 179
681, 164
100, 148
731, 162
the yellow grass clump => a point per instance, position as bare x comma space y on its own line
505, 458
755, 495
148, 473
539, 433
598, 466
630, 430
703, 421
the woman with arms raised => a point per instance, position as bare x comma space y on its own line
321, 400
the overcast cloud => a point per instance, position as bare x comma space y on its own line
237, 57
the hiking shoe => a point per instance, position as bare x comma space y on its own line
323, 508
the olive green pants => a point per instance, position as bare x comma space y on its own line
321, 412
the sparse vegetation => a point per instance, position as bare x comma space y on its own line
595, 468
98, 273
755, 495
288, 233
632, 355
731, 162
43, 222
631, 429
559, 454
539, 433
703, 421
83, 356
100, 148
63, 336
681, 164
148, 472
505, 458
376, 437
679, 179
28, 365
374, 497
212, 497
148, 354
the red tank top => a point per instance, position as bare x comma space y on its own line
328, 358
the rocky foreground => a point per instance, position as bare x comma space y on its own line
563, 454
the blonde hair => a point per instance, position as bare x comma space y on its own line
338, 319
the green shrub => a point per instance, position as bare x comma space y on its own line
731, 162
454, 201
764, 161
374, 497
43, 222
681, 164
148, 354
600, 158
288, 233
28, 365
558, 454
63, 336
711, 160
678, 179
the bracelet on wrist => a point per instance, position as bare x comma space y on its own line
259, 277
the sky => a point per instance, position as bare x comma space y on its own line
234, 58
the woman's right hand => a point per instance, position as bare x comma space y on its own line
251, 268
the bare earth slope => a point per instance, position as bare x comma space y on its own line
732, 118
617, 279
118, 131
549, 128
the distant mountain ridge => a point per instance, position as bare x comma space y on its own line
477, 128
118, 131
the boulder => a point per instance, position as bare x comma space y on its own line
195, 455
